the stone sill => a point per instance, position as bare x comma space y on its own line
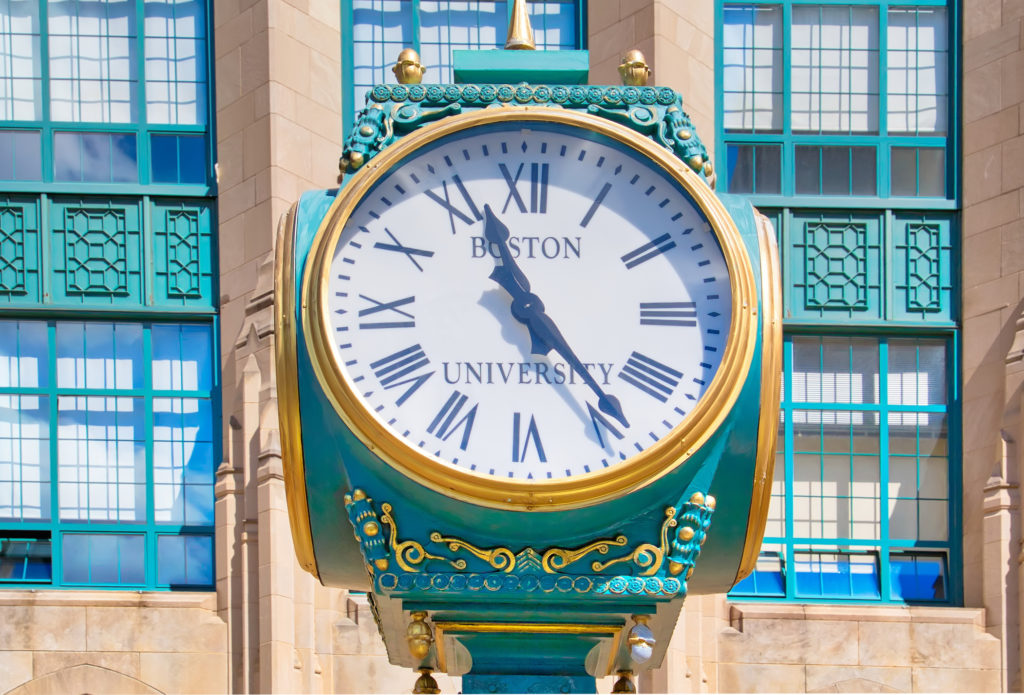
135, 599
738, 612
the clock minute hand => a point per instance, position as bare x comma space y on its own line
528, 309
542, 324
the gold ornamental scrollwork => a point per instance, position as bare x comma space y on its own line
501, 559
556, 559
647, 556
410, 553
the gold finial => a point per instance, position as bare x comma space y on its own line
520, 33
625, 683
633, 69
425, 683
408, 69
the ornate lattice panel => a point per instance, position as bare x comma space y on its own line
19, 251
97, 252
835, 267
922, 269
182, 254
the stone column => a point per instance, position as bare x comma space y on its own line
678, 41
993, 267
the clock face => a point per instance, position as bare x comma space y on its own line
526, 301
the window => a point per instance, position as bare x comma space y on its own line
382, 28
853, 99
107, 453
94, 91
861, 503
107, 424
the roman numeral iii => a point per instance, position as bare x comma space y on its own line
650, 376
668, 313
400, 369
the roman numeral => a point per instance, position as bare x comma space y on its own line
399, 247
668, 313
600, 423
398, 369
649, 250
596, 204
650, 376
454, 211
521, 444
538, 187
394, 312
444, 424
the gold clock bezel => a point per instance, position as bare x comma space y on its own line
637, 471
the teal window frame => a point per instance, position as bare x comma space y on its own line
788, 545
882, 141
55, 529
164, 244
47, 127
350, 106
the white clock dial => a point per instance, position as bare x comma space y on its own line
528, 301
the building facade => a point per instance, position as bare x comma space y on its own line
148, 149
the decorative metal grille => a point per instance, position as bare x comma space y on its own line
12, 251
183, 270
96, 252
836, 265
924, 272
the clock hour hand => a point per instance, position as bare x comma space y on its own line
528, 309
511, 278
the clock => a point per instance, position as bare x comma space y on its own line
530, 308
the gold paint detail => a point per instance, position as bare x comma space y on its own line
381, 563
520, 32
646, 556
501, 559
658, 460
289, 419
697, 498
371, 528
473, 627
675, 568
419, 636
407, 69
686, 533
771, 387
425, 684
408, 554
634, 69
557, 559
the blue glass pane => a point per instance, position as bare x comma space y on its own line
918, 577
104, 558
25, 560
164, 153
741, 168
95, 157
199, 559
199, 505
192, 158
24, 354
185, 560
170, 560
24, 457
182, 357
124, 158
20, 155
75, 558
837, 575
99, 355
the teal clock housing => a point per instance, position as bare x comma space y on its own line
569, 587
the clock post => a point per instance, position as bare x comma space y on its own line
528, 370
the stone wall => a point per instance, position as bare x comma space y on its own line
993, 335
745, 647
111, 642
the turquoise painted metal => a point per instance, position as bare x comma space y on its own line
569, 595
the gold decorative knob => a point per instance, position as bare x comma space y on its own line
418, 636
634, 69
408, 69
